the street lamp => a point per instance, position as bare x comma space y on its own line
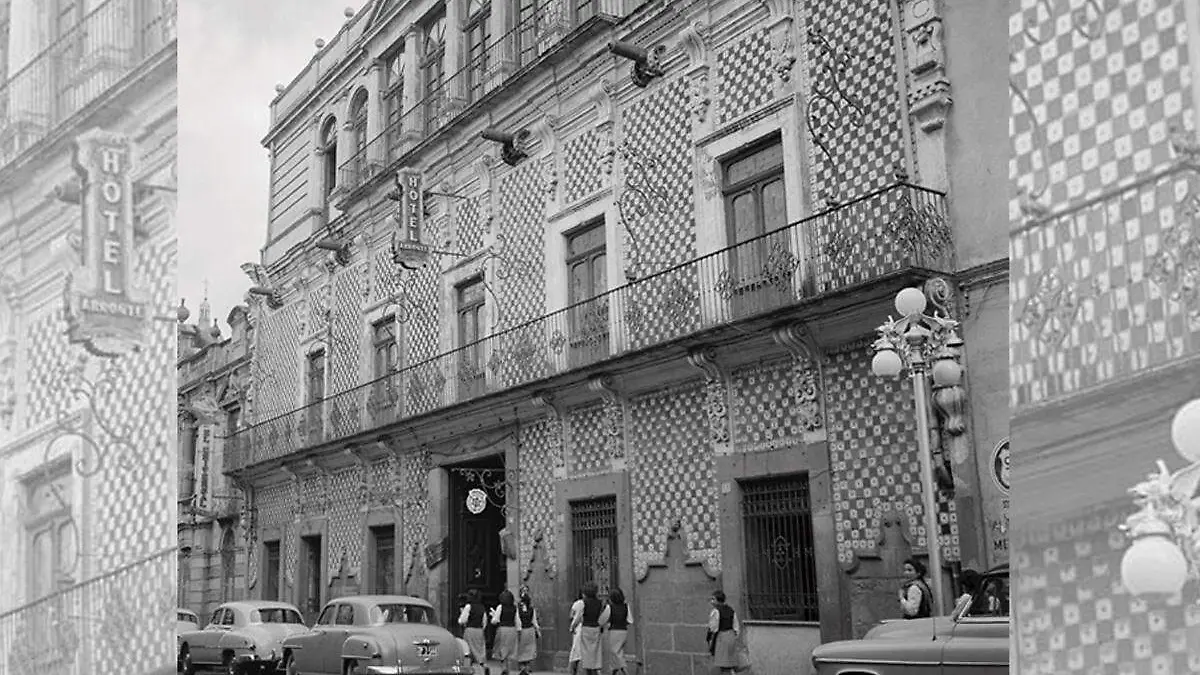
1165, 530
928, 347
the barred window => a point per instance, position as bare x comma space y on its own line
781, 573
594, 543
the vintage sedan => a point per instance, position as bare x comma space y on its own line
242, 637
375, 635
974, 641
185, 622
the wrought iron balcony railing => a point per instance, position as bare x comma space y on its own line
496, 65
890, 230
69, 630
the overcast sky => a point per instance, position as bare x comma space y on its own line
232, 53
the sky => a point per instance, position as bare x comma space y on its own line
232, 53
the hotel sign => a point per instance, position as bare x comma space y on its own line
105, 312
409, 249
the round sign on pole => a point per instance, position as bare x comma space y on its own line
1000, 465
476, 501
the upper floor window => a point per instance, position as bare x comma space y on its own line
469, 305
433, 58
393, 96
586, 262
233, 420
755, 203
383, 339
316, 376
358, 137
51, 533
529, 22
329, 154
478, 39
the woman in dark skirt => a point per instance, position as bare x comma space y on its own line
588, 623
504, 617
619, 621
723, 631
531, 631
472, 619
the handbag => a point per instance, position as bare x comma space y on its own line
741, 656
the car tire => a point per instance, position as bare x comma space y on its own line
351, 667
187, 667
289, 666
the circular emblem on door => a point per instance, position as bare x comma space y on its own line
1000, 465
476, 501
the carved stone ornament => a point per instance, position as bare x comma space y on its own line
694, 41
807, 394
707, 171
607, 149
550, 176
929, 96
715, 396
783, 53
600, 97
699, 97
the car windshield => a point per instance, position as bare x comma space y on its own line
397, 613
992, 599
276, 615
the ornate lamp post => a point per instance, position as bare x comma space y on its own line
1165, 530
927, 346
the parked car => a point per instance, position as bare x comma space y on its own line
242, 638
974, 641
185, 621
374, 635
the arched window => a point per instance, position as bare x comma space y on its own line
479, 38
358, 138
228, 564
433, 67
329, 151
393, 96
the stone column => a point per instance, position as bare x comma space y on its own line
411, 132
27, 103
455, 92
376, 115
929, 89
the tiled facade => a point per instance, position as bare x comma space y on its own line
1103, 334
85, 424
666, 393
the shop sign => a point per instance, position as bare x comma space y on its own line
409, 249
105, 312
1000, 466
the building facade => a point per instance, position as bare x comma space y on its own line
536, 311
87, 258
1104, 332
213, 381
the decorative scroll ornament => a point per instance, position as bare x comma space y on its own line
806, 389
1176, 266
490, 485
614, 414
698, 95
1050, 310
716, 396
642, 197
830, 103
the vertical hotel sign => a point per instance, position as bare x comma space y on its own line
409, 249
105, 312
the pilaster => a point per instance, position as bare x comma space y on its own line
929, 88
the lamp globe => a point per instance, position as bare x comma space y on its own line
946, 373
886, 363
1185, 430
1153, 565
910, 302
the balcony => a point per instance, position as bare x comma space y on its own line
840, 250
66, 631
92, 58
535, 40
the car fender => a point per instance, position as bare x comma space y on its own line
234, 640
875, 653
362, 647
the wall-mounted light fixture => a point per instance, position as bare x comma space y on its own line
647, 64
339, 247
514, 146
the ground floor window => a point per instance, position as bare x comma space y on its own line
594, 543
781, 573
383, 558
271, 580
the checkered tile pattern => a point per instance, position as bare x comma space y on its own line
1104, 90
469, 225
426, 387
746, 80
873, 456
522, 294
47, 354
415, 473
520, 356
423, 330
134, 617
860, 149
345, 522
582, 171
387, 281
673, 476
274, 504
589, 452
136, 506
540, 452
662, 308
347, 330
1088, 305
282, 369
1073, 615
765, 413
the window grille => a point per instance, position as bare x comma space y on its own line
594, 543
781, 575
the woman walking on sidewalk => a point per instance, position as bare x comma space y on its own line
531, 631
588, 622
504, 617
576, 612
723, 630
619, 621
471, 618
